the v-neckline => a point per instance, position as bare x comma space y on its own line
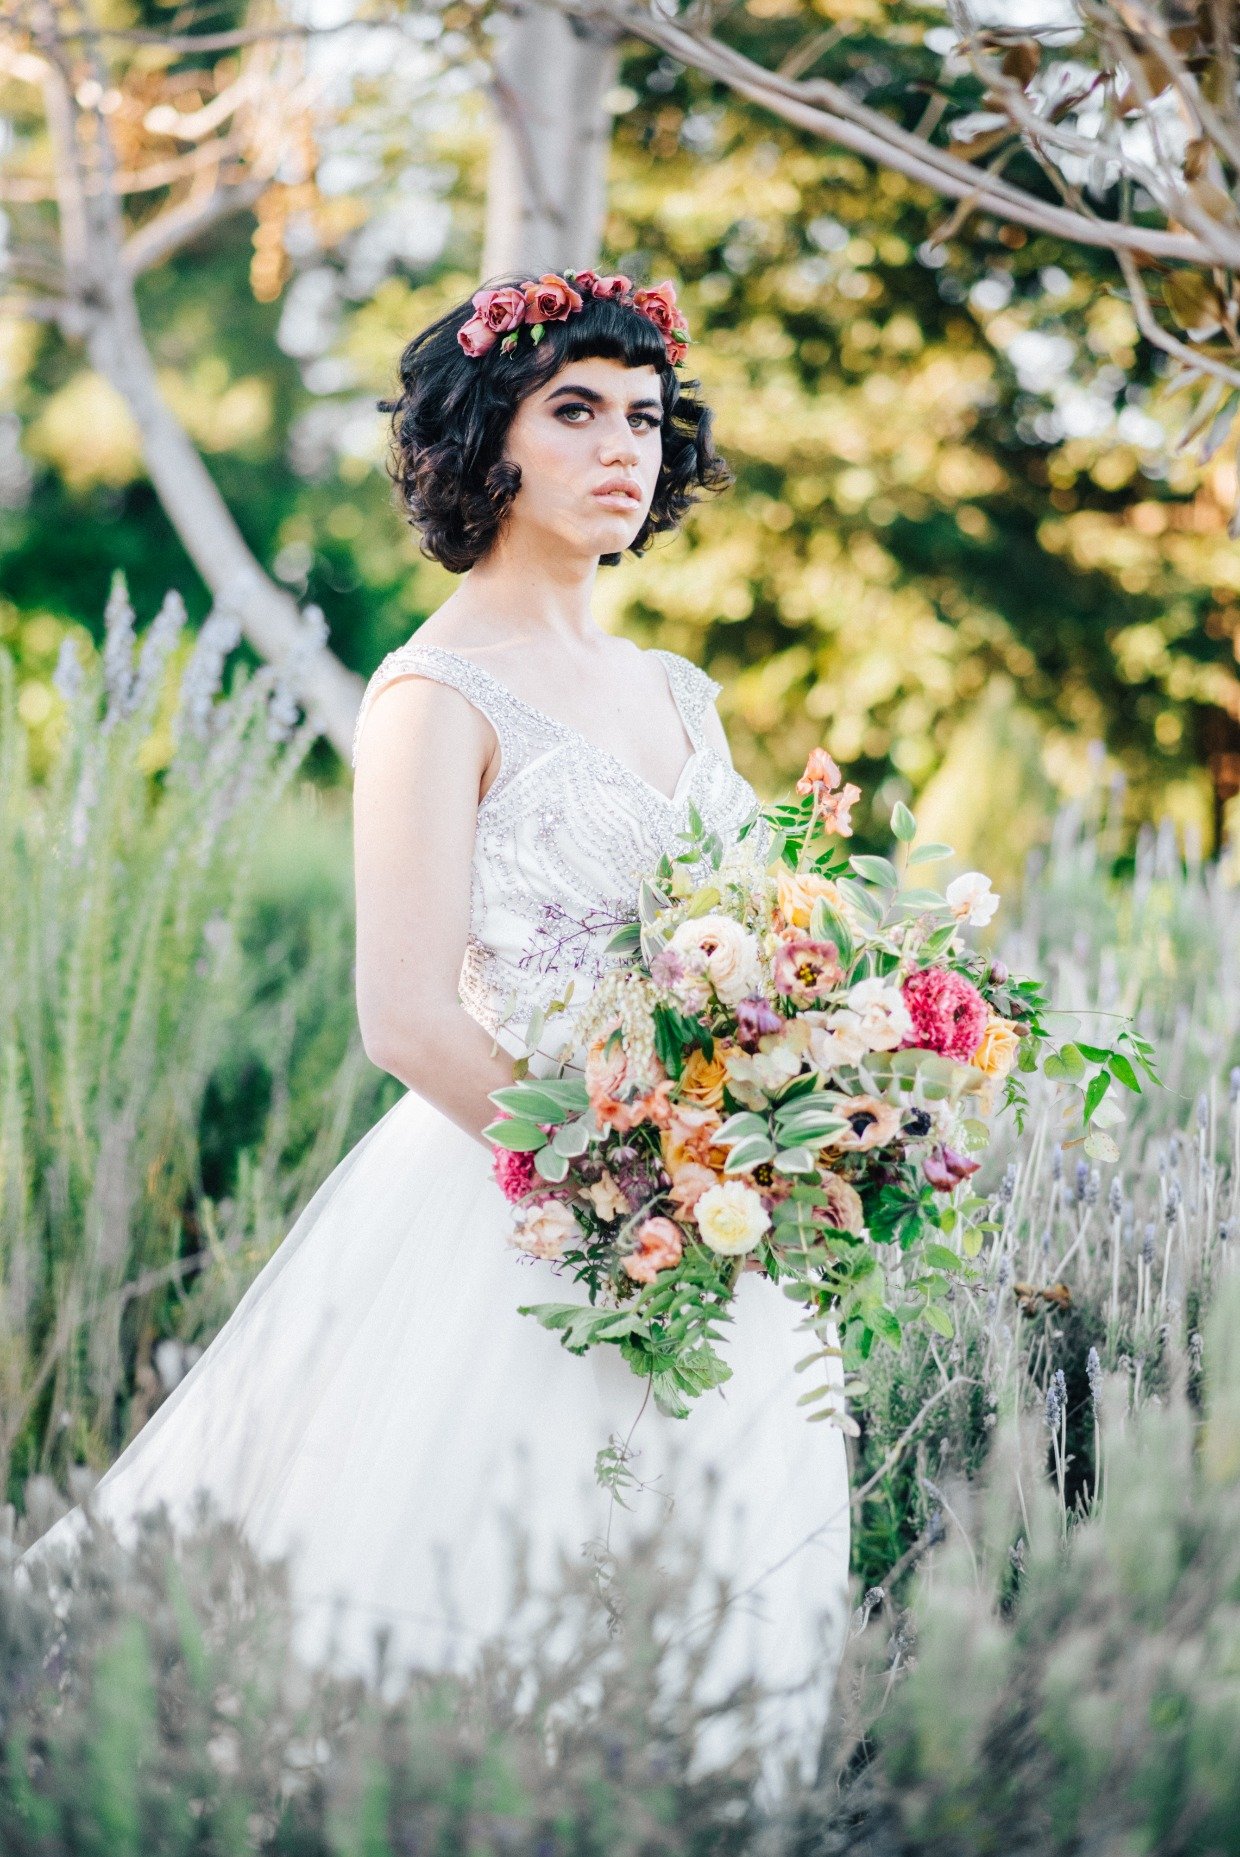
567, 730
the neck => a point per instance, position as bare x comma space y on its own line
540, 590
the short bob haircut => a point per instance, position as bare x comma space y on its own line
450, 424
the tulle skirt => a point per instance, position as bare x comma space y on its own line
377, 1411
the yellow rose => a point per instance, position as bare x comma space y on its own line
797, 892
731, 1218
702, 1080
996, 1054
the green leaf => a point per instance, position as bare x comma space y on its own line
552, 1165
903, 823
939, 1320
517, 1136
529, 1102
795, 1161
1100, 1146
876, 870
1123, 1072
740, 1128
938, 1257
626, 940
930, 854
750, 1153
571, 1140
885, 1323
1072, 1061
862, 899
971, 1241
921, 899
1098, 1087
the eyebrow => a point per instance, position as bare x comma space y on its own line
588, 393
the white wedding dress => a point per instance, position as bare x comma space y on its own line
377, 1409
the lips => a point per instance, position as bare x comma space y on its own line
620, 487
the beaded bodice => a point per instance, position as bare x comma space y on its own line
564, 834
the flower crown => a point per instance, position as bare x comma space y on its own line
538, 301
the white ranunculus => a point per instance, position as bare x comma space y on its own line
731, 1218
971, 899
883, 1018
733, 963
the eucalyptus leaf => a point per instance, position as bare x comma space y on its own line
903, 823
930, 854
876, 870
517, 1136
551, 1165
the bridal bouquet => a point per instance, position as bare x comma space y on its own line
794, 1067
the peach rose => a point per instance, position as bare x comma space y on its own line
475, 337
996, 1053
611, 1098
659, 1246
702, 1080
689, 1134
550, 299
843, 1210
690, 1179
796, 892
501, 309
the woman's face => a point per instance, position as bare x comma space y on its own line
589, 444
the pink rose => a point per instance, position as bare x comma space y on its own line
614, 286
501, 309
475, 337
659, 305
550, 299
659, 1247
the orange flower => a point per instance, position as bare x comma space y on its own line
835, 812
609, 1090
796, 892
689, 1181
821, 774
996, 1053
659, 1246
702, 1081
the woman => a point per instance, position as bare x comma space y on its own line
376, 1407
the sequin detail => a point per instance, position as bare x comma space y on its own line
564, 833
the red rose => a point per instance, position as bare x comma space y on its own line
550, 300
475, 337
501, 309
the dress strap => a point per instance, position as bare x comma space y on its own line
521, 732
693, 692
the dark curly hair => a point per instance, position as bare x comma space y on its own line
452, 418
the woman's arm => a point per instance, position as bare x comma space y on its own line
422, 761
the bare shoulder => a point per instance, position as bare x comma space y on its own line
410, 717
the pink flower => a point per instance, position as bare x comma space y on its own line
821, 774
501, 309
944, 1168
659, 1247
550, 299
806, 971
515, 1173
949, 1014
475, 337
754, 1019
835, 811
613, 286
658, 304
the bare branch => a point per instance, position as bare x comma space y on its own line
1159, 337
178, 226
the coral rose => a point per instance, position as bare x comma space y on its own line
659, 1247
658, 304
550, 299
996, 1053
475, 337
613, 1099
731, 1218
500, 310
689, 1134
702, 1080
545, 1230
949, 1014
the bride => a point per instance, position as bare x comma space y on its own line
376, 1408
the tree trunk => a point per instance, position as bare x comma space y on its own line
268, 616
547, 185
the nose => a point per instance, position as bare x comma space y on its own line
618, 444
